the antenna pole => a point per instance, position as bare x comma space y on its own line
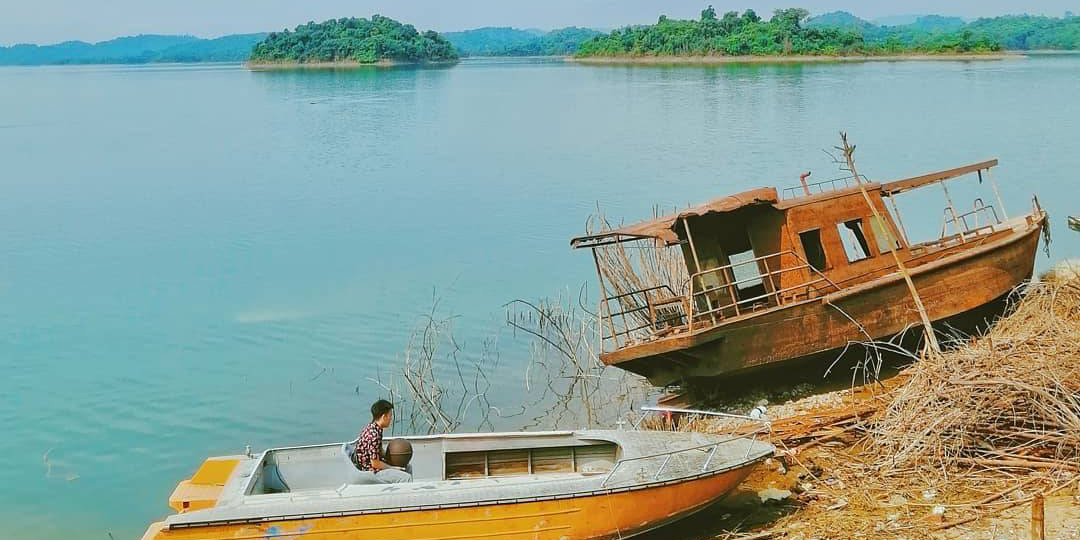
849, 156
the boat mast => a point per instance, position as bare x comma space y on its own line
849, 153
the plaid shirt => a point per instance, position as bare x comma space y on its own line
368, 447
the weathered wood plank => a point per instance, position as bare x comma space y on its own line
907, 184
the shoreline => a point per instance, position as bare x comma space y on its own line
790, 59
339, 64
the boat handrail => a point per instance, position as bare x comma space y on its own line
732, 285
961, 220
682, 306
712, 447
807, 190
648, 409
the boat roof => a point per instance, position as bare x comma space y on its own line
662, 227
907, 184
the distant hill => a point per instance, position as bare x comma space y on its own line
1012, 32
895, 20
1025, 32
935, 23
141, 49
839, 19
515, 42
490, 41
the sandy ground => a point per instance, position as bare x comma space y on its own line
744, 513
1062, 523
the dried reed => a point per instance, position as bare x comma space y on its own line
1009, 399
638, 266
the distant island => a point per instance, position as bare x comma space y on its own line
784, 35
491, 41
352, 41
142, 49
789, 34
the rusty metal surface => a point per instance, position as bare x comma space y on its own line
907, 184
663, 227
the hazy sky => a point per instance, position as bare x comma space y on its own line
50, 21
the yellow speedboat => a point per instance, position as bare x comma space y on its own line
556, 485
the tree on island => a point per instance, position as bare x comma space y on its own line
353, 39
747, 34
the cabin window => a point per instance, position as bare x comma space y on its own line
593, 458
884, 246
815, 252
854, 239
745, 269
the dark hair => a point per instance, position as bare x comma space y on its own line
380, 408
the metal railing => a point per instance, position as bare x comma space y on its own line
824, 186
710, 448
980, 209
661, 311
730, 285
649, 310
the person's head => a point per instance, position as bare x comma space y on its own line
382, 413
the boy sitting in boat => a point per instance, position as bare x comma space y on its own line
368, 453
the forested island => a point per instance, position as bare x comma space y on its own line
783, 35
353, 41
491, 41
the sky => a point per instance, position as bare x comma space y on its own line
51, 21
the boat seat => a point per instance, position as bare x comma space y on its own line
327, 470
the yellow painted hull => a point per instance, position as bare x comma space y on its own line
614, 515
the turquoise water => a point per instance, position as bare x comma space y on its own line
196, 258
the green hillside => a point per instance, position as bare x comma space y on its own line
140, 49
490, 41
515, 42
1012, 32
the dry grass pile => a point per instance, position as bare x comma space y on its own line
643, 265
960, 436
1008, 399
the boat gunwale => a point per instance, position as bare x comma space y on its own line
453, 436
706, 335
739, 464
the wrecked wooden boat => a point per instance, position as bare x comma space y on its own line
761, 278
558, 485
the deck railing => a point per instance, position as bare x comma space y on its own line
704, 453
979, 214
824, 186
662, 303
775, 292
642, 314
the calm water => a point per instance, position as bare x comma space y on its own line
197, 258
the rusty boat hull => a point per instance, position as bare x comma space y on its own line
621, 484
958, 286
